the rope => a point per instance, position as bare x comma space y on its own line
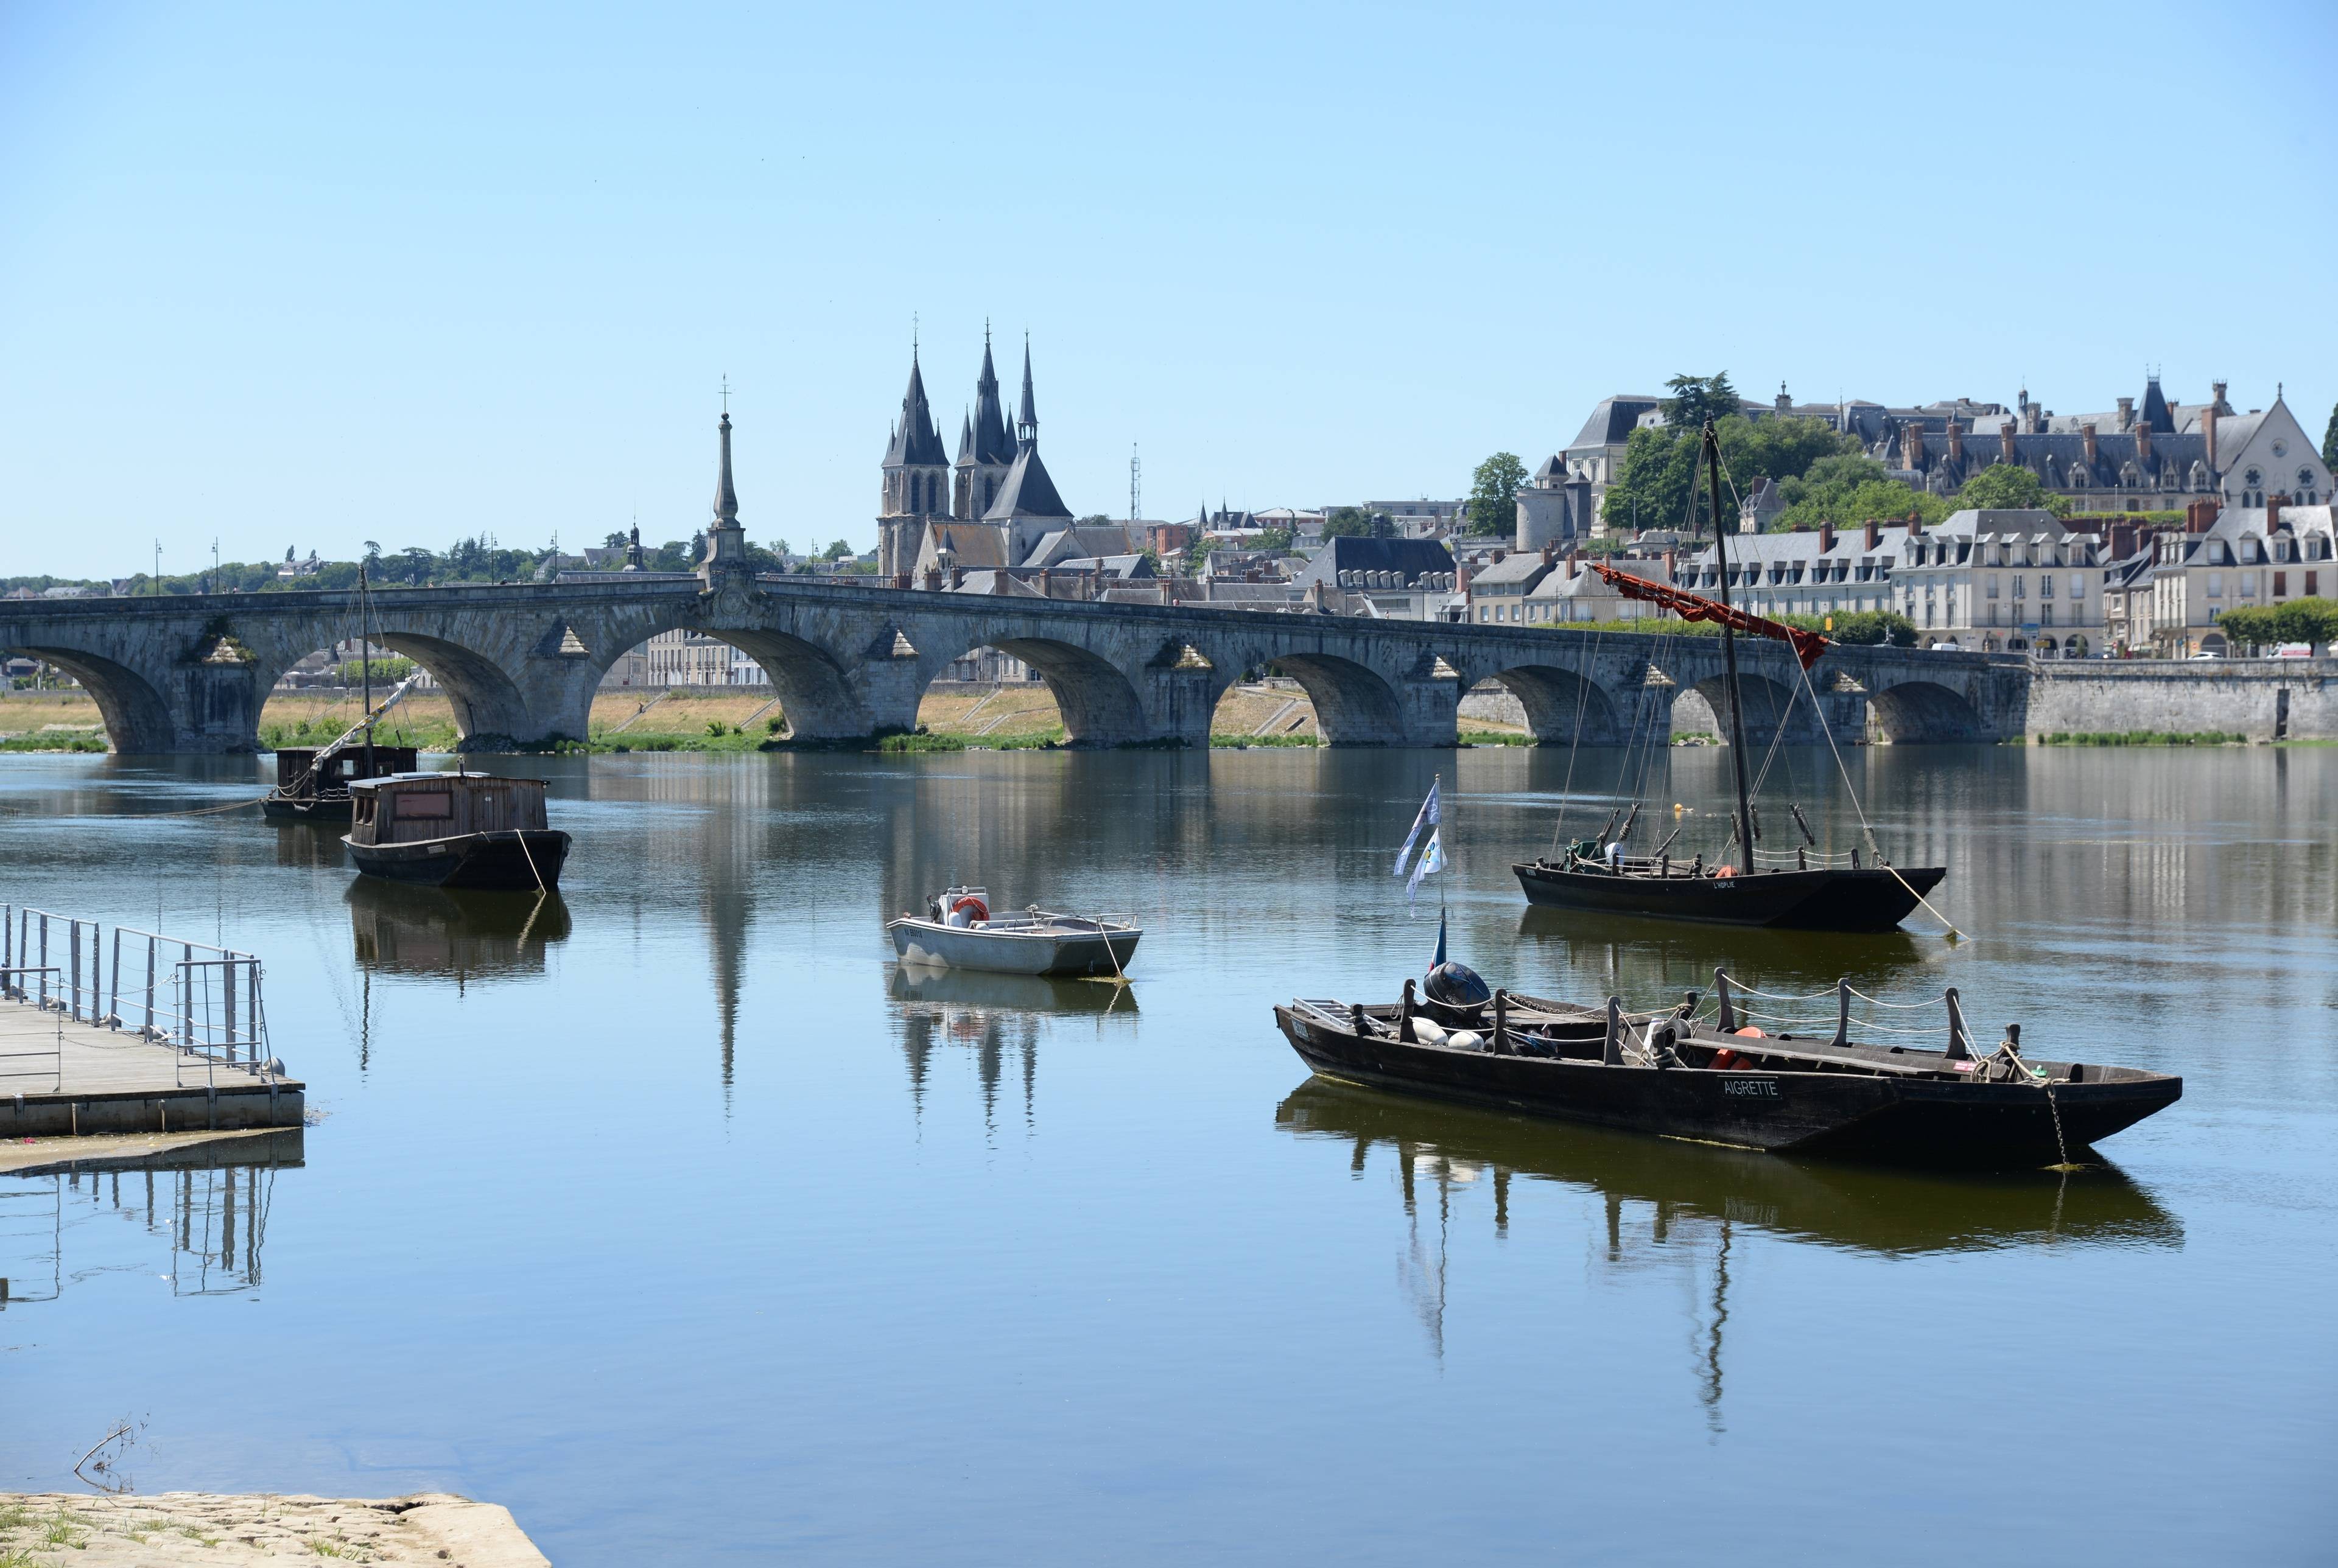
199, 811
1898, 1006
1865, 827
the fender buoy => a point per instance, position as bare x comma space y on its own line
1750, 1032
974, 908
1720, 871
1723, 1059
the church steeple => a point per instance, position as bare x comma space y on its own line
1026, 413
991, 443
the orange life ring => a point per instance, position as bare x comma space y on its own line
975, 909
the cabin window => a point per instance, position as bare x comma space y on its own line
425, 803
365, 809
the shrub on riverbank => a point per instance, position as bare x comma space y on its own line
2143, 737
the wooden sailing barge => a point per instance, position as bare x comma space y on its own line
456, 830
1837, 894
1718, 1078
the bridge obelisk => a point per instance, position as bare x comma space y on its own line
726, 541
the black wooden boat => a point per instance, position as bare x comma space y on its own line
1817, 892
1832, 899
1679, 1075
456, 830
312, 784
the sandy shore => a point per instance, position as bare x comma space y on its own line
190, 1527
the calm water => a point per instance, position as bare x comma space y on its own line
671, 1217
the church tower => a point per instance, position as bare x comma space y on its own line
1026, 505
984, 451
916, 479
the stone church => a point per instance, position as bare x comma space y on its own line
994, 506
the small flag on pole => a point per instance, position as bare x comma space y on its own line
1433, 860
1433, 962
1428, 818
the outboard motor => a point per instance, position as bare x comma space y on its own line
1457, 994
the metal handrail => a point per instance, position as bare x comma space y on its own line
77, 994
56, 1054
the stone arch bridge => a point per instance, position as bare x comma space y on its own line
521, 664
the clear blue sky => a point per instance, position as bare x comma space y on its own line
313, 274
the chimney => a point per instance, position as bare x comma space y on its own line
2087, 430
1549, 554
958, 577
1955, 440
2122, 541
2208, 427
2126, 414
933, 579
2143, 444
1672, 565
1461, 579
1826, 538
1874, 532
2217, 388
2035, 419
1573, 566
2200, 516
1498, 554
1911, 446
1046, 582
999, 581
1915, 524
2272, 513
2004, 445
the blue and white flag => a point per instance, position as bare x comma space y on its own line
1427, 818
1433, 860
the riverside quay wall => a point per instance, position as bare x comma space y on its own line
2263, 699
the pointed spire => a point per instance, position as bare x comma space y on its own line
726, 499
1026, 413
966, 442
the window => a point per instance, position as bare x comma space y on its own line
2280, 583
2045, 584
2216, 585
2018, 592
2078, 586
1992, 589
1993, 614
2312, 584
2044, 614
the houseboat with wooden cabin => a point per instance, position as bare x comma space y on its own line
312, 783
455, 830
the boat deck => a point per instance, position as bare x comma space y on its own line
59, 1074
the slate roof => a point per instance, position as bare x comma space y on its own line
971, 544
916, 442
1058, 545
1611, 422
992, 444
1408, 558
1525, 566
1028, 491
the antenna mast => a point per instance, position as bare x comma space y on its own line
1135, 486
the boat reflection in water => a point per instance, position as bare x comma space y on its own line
1668, 1201
1644, 958
995, 1016
401, 928
203, 1207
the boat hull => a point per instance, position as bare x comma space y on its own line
1840, 899
1106, 952
510, 859
306, 808
1839, 1114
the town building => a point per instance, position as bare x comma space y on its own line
1397, 579
2002, 578
2245, 558
921, 486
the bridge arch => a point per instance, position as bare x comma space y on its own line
1924, 713
1354, 704
1768, 703
137, 717
1561, 706
490, 710
1100, 705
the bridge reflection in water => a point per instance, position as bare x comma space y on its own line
1683, 1205
202, 1208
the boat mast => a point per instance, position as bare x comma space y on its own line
365, 664
1729, 651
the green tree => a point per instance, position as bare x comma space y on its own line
837, 551
1660, 472
1848, 489
2330, 440
2004, 485
2310, 621
1355, 522
1494, 494
1697, 399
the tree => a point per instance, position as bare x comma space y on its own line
2330, 440
1848, 489
1355, 522
1697, 399
2004, 485
839, 551
613, 540
1661, 469
1493, 507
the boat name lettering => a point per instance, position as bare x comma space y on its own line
1759, 1088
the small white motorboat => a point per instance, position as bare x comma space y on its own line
958, 931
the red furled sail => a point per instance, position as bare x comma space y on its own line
1808, 646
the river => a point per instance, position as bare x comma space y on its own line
671, 1216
